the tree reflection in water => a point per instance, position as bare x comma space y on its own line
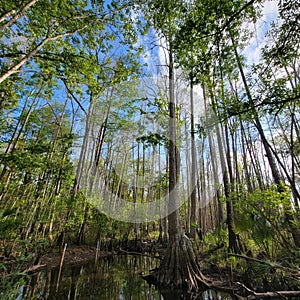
112, 279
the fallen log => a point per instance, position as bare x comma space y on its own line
276, 294
35, 268
139, 254
251, 295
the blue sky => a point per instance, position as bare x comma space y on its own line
269, 14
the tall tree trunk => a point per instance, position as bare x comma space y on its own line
21, 124
247, 176
232, 238
136, 185
179, 268
274, 169
82, 156
215, 166
193, 169
187, 209
227, 181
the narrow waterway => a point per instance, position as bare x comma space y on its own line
111, 278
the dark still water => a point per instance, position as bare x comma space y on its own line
115, 278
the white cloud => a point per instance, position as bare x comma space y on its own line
163, 54
269, 14
199, 106
270, 8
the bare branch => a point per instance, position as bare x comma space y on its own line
7, 15
73, 96
17, 16
32, 53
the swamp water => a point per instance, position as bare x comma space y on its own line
114, 278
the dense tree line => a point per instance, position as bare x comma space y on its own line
85, 122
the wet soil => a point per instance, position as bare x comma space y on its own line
74, 255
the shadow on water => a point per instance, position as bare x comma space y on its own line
114, 278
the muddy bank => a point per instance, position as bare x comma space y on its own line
73, 255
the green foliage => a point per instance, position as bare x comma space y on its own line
58, 55
261, 216
202, 39
75, 55
152, 139
278, 87
9, 224
11, 285
214, 245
